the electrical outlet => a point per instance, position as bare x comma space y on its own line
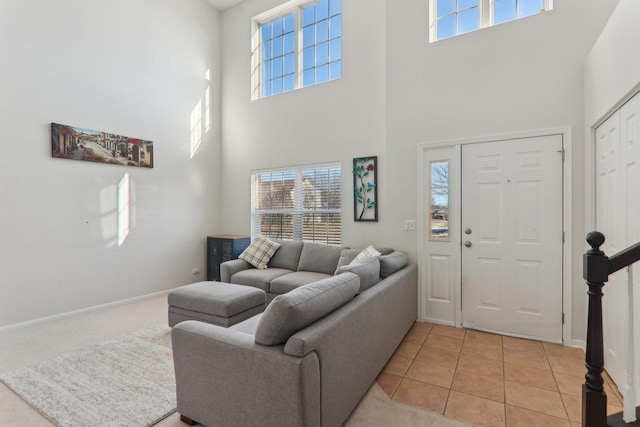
409, 225
196, 271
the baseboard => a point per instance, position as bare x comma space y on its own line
82, 311
582, 344
438, 321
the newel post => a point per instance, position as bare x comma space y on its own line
595, 272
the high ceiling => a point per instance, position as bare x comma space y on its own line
223, 4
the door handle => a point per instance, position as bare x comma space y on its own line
467, 244
467, 231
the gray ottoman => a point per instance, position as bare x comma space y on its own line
222, 304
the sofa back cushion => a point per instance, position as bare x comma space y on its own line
367, 269
346, 256
290, 312
391, 263
287, 256
319, 258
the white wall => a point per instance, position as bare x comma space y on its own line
612, 69
523, 75
334, 121
131, 67
397, 91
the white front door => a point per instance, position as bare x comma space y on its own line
512, 237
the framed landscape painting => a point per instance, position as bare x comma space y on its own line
70, 142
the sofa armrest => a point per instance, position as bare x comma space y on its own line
224, 378
354, 342
229, 268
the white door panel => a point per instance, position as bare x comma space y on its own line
608, 205
512, 237
439, 253
617, 213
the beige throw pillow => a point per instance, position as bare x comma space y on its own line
369, 251
260, 252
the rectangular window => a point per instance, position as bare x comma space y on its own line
321, 42
439, 201
296, 45
300, 203
453, 17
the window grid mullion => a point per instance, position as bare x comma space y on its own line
298, 19
297, 217
486, 13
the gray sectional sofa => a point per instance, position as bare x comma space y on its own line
310, 357
298, 263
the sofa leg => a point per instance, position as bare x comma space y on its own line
187, 420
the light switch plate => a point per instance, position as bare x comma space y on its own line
409, 225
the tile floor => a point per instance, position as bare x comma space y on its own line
487, 379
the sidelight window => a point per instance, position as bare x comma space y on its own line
439, 220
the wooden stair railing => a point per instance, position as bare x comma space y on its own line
596, 270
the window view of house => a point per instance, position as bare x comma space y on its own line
439, 201
298, 204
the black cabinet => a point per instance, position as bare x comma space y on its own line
221, 249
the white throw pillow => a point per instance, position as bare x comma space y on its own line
260, 252
369, 251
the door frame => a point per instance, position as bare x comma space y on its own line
423, 151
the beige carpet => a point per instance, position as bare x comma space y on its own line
39, 343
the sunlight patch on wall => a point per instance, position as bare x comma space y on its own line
197, 121
196, 128
124, 208
108, 215
207, 102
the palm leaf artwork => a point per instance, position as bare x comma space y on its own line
365, 189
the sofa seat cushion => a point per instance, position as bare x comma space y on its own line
367, 269
258, 278
290, 312
319, 258
289, 282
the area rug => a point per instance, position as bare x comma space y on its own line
127, 381
377, 410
